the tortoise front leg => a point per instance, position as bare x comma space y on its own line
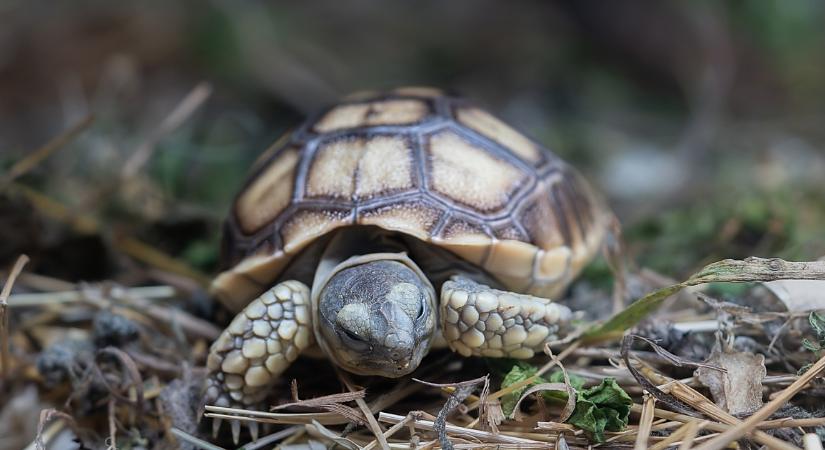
257, 347
482, 321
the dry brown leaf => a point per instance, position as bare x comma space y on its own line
739, 390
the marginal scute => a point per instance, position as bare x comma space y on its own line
415, 219
469, 174
269, 194
552, 264
382, 112
305, 226
465, 240
511, 258
498, 131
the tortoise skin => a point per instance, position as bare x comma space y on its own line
423, 163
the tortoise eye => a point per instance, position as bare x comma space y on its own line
353, 336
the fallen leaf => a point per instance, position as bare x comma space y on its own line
799, 295
739, 390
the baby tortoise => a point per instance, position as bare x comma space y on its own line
392, 223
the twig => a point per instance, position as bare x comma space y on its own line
193, 100
34, 158
188, 438
4, 318
454, 429
690, 434
743, 428
645, 422
391, 431
71, 296
373, 424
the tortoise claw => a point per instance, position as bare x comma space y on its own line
253, 430
236, 431
216, 427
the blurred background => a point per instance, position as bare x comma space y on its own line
701, 121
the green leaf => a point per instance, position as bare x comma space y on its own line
576, 381
811, 345
818, 324
518, 373
600, 408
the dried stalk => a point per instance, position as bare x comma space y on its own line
645, 422
4, 317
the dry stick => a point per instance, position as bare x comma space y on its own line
390, 432
373, 424
36, 157
4, 317
193, 100
690, 434
743, 428
701, 403
75, 295
675, 436
454, 429
645, 422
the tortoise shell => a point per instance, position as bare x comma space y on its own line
422, 163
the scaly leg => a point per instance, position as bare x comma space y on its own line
257, 347
482, 321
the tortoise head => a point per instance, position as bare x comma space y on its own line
377, 318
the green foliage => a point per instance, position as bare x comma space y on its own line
817, 322
601, 408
